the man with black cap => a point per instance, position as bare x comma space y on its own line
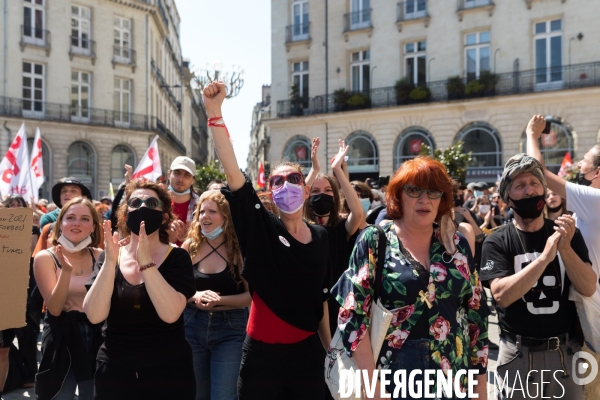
181, 181
530, 266
583, 198
65, 190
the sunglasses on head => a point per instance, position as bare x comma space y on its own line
277, 181
150, 202
415, 192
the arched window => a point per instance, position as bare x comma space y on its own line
408, 144
555, 144
484, 142
362, 155
121, 155
44, 192
81, 164
298, 150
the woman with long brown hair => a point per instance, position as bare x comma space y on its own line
215, 317
69, 340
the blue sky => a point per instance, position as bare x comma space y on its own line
235, 32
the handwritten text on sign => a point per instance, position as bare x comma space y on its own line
15, 252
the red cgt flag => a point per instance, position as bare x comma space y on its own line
566, 163
149, 168
261, 176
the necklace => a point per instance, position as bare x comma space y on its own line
557, 275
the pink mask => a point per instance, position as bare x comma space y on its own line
289, 198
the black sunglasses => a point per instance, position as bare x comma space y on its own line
150, 202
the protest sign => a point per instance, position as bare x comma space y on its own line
15, 252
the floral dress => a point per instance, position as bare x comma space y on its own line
458, 326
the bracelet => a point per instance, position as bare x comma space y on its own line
219, 123
480, 237
149, 265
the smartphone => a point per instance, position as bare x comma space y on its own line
547, 128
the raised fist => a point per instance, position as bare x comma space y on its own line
213, 95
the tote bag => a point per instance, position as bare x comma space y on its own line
337, 359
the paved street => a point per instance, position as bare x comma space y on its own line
493, 334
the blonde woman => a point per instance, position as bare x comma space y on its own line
69, 340
215, 318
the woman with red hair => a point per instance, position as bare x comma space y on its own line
429, 284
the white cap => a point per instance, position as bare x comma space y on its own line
184, 163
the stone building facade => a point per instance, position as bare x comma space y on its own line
391, 76
100, 78
259, 138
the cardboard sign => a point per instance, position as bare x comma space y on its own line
15, 252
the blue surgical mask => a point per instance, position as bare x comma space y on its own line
366, 203
212, 235
477, 193
179, 193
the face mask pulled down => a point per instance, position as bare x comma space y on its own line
289, 198
72, 247
152, 218
529, 207
215, 233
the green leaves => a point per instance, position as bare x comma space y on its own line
207, 173
454, 159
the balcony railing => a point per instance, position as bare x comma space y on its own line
297, 32
466, 4
165, 86
35, 37
124, 55
411, 9
518, 82
82, 46
357, 20
162, 130
25, 108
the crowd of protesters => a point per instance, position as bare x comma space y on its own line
232, 293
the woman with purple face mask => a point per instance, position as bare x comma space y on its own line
286, 266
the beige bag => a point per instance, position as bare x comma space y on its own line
337, 359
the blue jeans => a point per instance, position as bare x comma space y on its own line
216, 338
414, 354
67, 392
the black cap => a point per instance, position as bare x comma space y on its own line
85, 192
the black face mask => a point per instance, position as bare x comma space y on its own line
458, 202
529, 207
555, 209
321, 203
580, 178
152, 218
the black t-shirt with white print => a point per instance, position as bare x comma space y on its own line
545, 310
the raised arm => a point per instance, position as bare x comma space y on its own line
213, 96
356, 212
316, 166
96, 304
53, 290
534, 132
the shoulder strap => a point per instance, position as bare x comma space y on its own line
56, 262
93, 258
381, 245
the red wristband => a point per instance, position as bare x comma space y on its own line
149, 265
219, 123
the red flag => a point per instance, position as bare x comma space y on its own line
14, 168
415, 146
566, 163
37, 165
261, 176
149, 167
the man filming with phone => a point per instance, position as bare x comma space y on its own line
583, 198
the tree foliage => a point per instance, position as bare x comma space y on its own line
454, 158
207, 173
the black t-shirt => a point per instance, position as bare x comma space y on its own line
134, 334
220, 282
539, 313
340, 248
292, 278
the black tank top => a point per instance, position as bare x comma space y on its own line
221, 282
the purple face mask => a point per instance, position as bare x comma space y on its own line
289, 198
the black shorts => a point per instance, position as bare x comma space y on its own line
6, 337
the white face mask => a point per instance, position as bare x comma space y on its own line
484, 208
71, 247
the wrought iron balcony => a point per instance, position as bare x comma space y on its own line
31, 36
125, 56
297, 32
165, 86
357, 20
487, 85
82, 46
27, 108
411, 9
162, 130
